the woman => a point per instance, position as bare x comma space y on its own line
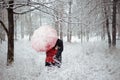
54, 55
50, 54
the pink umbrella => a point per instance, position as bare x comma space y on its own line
44, 38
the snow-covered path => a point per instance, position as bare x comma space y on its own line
88, 61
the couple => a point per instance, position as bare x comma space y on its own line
54, 55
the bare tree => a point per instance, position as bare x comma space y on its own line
10, 55
59, 12
69, 30
118, 18
114, 23
106, 11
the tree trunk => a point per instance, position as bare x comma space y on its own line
69, 31
114, 24
31, 31
57, 27
118, 21
87, 34
57, 23
106, 9
70, 34
22, 27
108, 32
10, 55
61, 31
15, 28
81, 34
119, 27
103, 33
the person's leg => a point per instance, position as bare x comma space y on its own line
58, 63
47, 64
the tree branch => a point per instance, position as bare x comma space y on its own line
4, 27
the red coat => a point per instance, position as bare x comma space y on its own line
50, 55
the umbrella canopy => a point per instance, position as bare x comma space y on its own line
44, 38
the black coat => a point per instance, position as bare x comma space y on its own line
59, 43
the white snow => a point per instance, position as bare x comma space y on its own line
87, 61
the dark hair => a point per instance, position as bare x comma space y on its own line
56, 44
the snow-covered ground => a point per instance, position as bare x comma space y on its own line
87, 61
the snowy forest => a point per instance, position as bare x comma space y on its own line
90, 30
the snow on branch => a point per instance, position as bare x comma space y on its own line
36, 6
